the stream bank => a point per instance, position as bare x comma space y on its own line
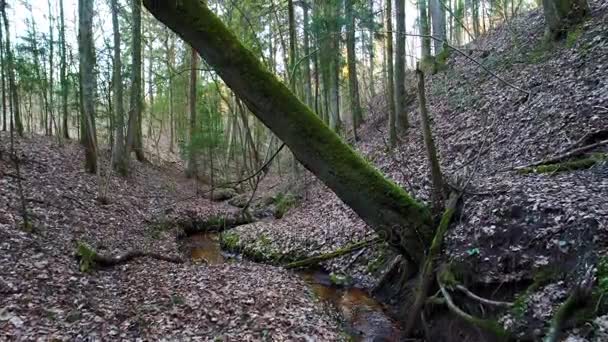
362, 317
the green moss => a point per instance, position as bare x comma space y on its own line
86, 255
340, 279
376, 264
573, 36
569, 165
283, 203
441, 59
229, 240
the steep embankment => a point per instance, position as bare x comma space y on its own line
43, 295
512, 226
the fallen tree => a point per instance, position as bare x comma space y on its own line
399, 219
90, 259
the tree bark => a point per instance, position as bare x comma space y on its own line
62, 73
134, 138
438, 23
192, 169
353, 83
390, 85
14, 95
401, 121
3, 80
120, 157
423, 21
398, 218
431, 151
87, 79
561, 15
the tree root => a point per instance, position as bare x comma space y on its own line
486, 324
426, 274
483, 300
578, 299
327, 256
89, 259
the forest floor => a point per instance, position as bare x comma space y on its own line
44, 295
510, 228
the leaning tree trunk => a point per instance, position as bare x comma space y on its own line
386, 207
560, 15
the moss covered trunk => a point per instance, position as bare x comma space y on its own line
383, 205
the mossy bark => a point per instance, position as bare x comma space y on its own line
386, 207
331, 255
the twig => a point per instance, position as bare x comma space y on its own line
483, 300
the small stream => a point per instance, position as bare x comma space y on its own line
365, 318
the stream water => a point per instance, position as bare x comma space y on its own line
365, 318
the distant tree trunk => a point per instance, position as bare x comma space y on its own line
561, 15
390, 85
334, 51
306, 63
11, 75
170, 60
384, 206
3, 81
353, 83
438, 22
423, 21
51, 70
121, 163
62, 75
475, 17
134, 136
372, 54
401, 121
192, 169
292, 46
87, 80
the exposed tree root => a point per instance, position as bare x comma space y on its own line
428, 269
578, 299
89, 259
486, 324
327, 256
483, 300
394, 264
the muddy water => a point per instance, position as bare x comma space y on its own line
365, 319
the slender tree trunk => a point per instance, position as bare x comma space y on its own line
87, 79
62, 75
170, 48
3, 81
193, 151
134, 136
436, 177
306, 63
423, 21
390, 86
51, 70
372, 54
16, 116
353, 83
335, 31
438, 23
401, 121
121, 163
384, 206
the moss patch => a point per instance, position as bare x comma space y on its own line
568, 165
86, 255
